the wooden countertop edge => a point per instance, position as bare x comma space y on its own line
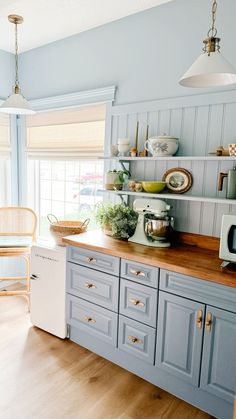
216, 275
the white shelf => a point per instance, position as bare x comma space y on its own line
172, 158
178, 197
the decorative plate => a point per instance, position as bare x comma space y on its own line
178, 180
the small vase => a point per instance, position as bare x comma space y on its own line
112, 181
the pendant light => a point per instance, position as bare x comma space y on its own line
210, 69
16, 103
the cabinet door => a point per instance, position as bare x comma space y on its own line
179, 336
218, 374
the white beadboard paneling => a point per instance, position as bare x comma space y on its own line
215, 127
201, 122
201, 131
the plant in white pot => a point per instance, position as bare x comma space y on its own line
115, 179
117, 220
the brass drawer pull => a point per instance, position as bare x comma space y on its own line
91, 260
89, 319
199, 319
137, 273
87, 285
208, 322
135, 340
136, 302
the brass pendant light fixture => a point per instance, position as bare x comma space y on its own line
16, 103
210, 69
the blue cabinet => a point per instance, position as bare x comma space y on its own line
138, 302
94, 286
137, 339
218, 374
179, 336
92, 319
174, 330
183, 327
138, 272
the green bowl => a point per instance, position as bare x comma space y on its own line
153, 187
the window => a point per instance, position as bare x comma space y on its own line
64, 176
5, 178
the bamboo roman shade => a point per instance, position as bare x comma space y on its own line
66, 133
4, 135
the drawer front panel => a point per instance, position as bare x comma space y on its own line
137, 339
138, 272
204, 291
94, 320
96, 260
93, 286
138, 302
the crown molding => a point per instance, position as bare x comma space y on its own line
86, 97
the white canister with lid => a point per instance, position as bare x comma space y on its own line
161, 146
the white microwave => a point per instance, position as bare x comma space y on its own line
228, 238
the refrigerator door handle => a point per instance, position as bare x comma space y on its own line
33, 277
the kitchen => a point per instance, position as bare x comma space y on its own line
121, 80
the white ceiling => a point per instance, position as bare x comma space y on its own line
46, 21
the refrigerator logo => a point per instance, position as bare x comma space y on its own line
46, 257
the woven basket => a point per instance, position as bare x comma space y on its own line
60, 229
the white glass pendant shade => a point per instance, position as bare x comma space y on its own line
209, 71
16, 104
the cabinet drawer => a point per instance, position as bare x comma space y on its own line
96, 287
138, 272
197, 289
137, 339
138, 302
94, 320
96, 260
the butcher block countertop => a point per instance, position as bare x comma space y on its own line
187, 259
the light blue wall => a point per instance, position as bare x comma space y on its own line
6, 73
143, 55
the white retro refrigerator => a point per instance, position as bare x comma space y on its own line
48, 288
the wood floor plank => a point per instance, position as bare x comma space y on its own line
44, 377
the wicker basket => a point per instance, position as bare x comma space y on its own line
60, 229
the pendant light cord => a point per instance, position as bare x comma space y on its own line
213, 31
16, 58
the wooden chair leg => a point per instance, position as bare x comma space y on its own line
25, 293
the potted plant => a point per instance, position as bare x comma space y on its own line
117, 220
114, 179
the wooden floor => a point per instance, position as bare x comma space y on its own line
43, 377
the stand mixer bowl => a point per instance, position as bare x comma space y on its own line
158, 228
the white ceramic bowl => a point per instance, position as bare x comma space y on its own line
162, 146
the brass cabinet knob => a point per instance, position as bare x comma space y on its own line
89, 319
88, 285
136, 302
137, 273
208, 322
199, 319
90, 260
135, 339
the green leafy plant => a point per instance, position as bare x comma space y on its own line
119, 219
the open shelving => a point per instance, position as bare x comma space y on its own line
179, 197
172, 196
171, 158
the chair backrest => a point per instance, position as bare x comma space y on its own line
17, 221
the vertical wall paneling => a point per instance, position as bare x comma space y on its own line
201, 122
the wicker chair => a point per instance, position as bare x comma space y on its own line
17, 232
